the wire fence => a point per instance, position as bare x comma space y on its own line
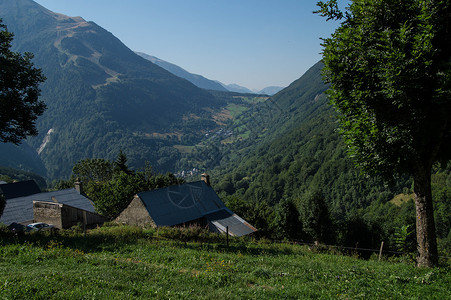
380, 251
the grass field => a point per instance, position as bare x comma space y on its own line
184, 149
236, 109
126, 262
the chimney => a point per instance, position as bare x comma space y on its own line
205, 178
79, 187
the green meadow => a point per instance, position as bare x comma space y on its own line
120, 262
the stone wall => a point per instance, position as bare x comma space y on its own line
64, 216
136, 214
47, 212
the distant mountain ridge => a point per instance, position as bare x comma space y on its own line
204, 83
237, 88
197, 80
271, 90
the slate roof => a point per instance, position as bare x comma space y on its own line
20, 209
225, 218
19, 189
180, 204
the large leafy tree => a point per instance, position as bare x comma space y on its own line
286, 220
19, 92
315, 217
93, 170
389, 65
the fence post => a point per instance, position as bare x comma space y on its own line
380, 251
85, 221
227, 235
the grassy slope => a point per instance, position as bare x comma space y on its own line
123, 262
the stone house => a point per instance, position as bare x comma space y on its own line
185, 204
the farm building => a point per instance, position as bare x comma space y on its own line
25, 204
190, 203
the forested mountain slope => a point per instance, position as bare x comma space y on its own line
101, 96
291, 146
266, 121
288, 148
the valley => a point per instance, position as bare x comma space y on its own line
271, 157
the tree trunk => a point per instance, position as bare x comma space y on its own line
425, 225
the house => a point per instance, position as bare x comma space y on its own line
185, 204
63, 208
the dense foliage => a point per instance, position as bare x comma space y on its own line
389, 65
287, 148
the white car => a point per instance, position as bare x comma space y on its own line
40, 226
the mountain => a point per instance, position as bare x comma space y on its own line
289, 146
197, 80
205, 83
10, 175
237, 88
270, 90
101, 96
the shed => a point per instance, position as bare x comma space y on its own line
189, 203
63, 208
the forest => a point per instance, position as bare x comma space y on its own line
288, 162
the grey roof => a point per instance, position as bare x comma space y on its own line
225, 218
180, 204
20, 209
19, 189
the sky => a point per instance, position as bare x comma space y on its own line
252, 43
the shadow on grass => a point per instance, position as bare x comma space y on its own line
112, 238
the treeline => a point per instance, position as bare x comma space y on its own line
310, 217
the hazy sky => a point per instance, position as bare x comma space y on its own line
253, 43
